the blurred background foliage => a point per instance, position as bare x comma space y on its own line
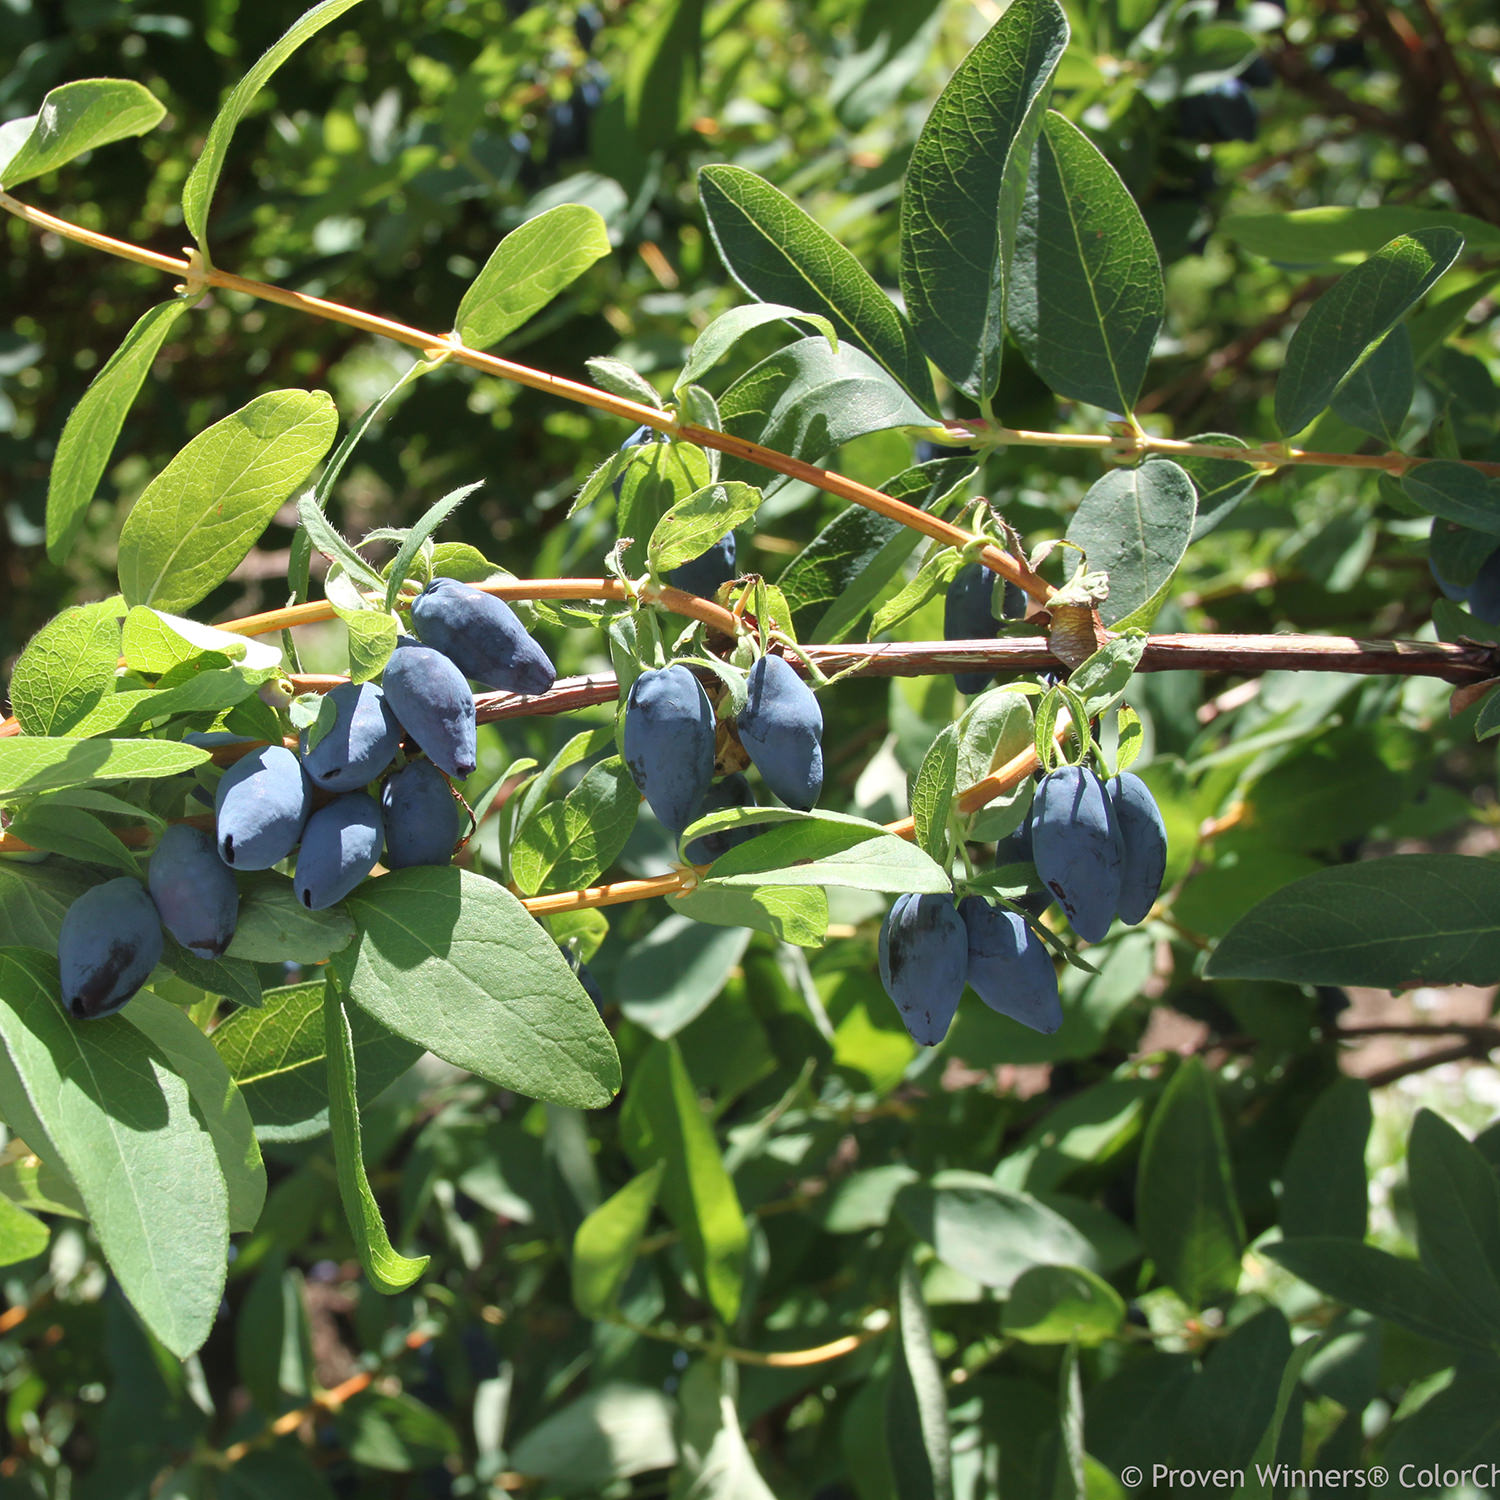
380, 169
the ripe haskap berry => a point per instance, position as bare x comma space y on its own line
340, 846
1009, 966
430, 698
421, 818
194, 890
781, 728
702, 575
733, 791
1075, 842
1143, 843
361, 744
967, 616
260, 807
669, 743
924, 960
482, 636
108, 945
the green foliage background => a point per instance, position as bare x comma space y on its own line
1057, 1252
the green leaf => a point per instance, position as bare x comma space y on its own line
1086, 298
34, 898
932, 793
605, 1243
274, 926
454, 963
609, 1433
806, 400
389, 1271
430, 520
714, 1461
1453, 1432
66, 668
21, 1235
273, 1339
661, 80
1456, 492
1395, 923
995, 727
77, 117
620, 379
794, 914
693, 525
109, 1107
660, 476
1308, 238
941, 567
1186, 1209
93, 426
29, 765
987, 1233
917, 1437
205, 692
153, 643
965, 185
667, 977
1324, 1187
371, 636
196, 521
1346, 323
1221, 482
1135, 525
662, 1121
528, 268
216, 1100
569, 842
275, 1055
1062, 1305
779, 253
1456, 1197
1101, 679
75, 833
821, 849
729, 328
1377, 1282
198, 190
1376, 397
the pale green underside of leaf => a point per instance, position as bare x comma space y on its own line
120, 1122
30, 765
454, 963
1326, 236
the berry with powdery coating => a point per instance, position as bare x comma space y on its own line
260, 808
781, 728
359, 746
1143, 843
1009, 966
482, 636
1075, 842
924, 962
340, 846
109, 943
430, 698
422, 820
669, 743
194, 890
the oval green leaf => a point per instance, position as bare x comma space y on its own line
75, 118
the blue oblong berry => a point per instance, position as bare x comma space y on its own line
429, 697
422, 820
194, 890
1143, 845
109, 942
340, 846
1009, 966
260, 808
482, 636
669, 743
924, 962
361, 743
1075, 843
781, 728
